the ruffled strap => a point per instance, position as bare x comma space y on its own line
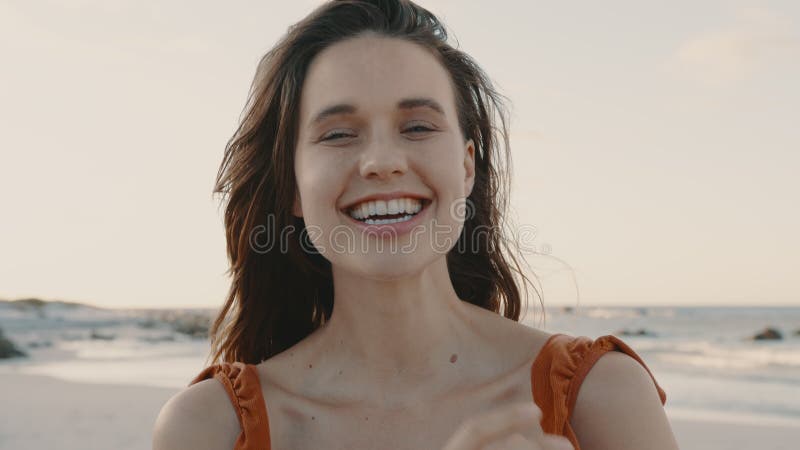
559, 370
241, 383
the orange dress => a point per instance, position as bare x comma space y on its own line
556, 375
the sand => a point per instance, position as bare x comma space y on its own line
40, 412
702, 435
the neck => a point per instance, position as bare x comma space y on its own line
398, 331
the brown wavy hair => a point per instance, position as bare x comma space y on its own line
279, 296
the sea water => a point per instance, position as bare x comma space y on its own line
703, 357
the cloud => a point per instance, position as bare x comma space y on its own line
758, 39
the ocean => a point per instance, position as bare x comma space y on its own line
705, 358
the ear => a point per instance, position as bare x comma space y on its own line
469, 166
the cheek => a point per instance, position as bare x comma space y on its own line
444, 167
318, 180
443, 170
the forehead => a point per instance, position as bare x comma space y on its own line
374, 73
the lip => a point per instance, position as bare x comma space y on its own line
392, 229
386, 197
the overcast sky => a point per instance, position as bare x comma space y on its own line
655, 144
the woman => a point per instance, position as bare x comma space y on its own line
364, 205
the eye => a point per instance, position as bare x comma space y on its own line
421, 128
335, 135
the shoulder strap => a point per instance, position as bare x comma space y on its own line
592, 351
241, 383
559, 370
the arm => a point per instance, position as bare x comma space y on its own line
198, 418
618, 408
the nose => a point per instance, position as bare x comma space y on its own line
381, 160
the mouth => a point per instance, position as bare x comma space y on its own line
381, 212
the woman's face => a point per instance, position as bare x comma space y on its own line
378, 118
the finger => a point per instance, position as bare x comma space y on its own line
505, 421
478, 431
555, 442
518, 442
514, 442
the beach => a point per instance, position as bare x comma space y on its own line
712, 435
96, 378
42, 412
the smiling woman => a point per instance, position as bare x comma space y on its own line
371, 148
394, 88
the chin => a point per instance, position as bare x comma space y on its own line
387, 266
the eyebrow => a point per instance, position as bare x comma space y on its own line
406, 103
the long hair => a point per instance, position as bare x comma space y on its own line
280, 293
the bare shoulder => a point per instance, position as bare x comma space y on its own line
619, 390
200, 417
516, 343
527, 340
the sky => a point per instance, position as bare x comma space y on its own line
655, 145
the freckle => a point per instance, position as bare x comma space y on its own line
312, 418
453, 358
366, 418
340, 372
309, 366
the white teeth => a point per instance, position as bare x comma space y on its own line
385, 221
382, 208
393, 206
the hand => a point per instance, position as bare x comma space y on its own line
514, 427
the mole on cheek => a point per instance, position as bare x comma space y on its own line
453, 358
